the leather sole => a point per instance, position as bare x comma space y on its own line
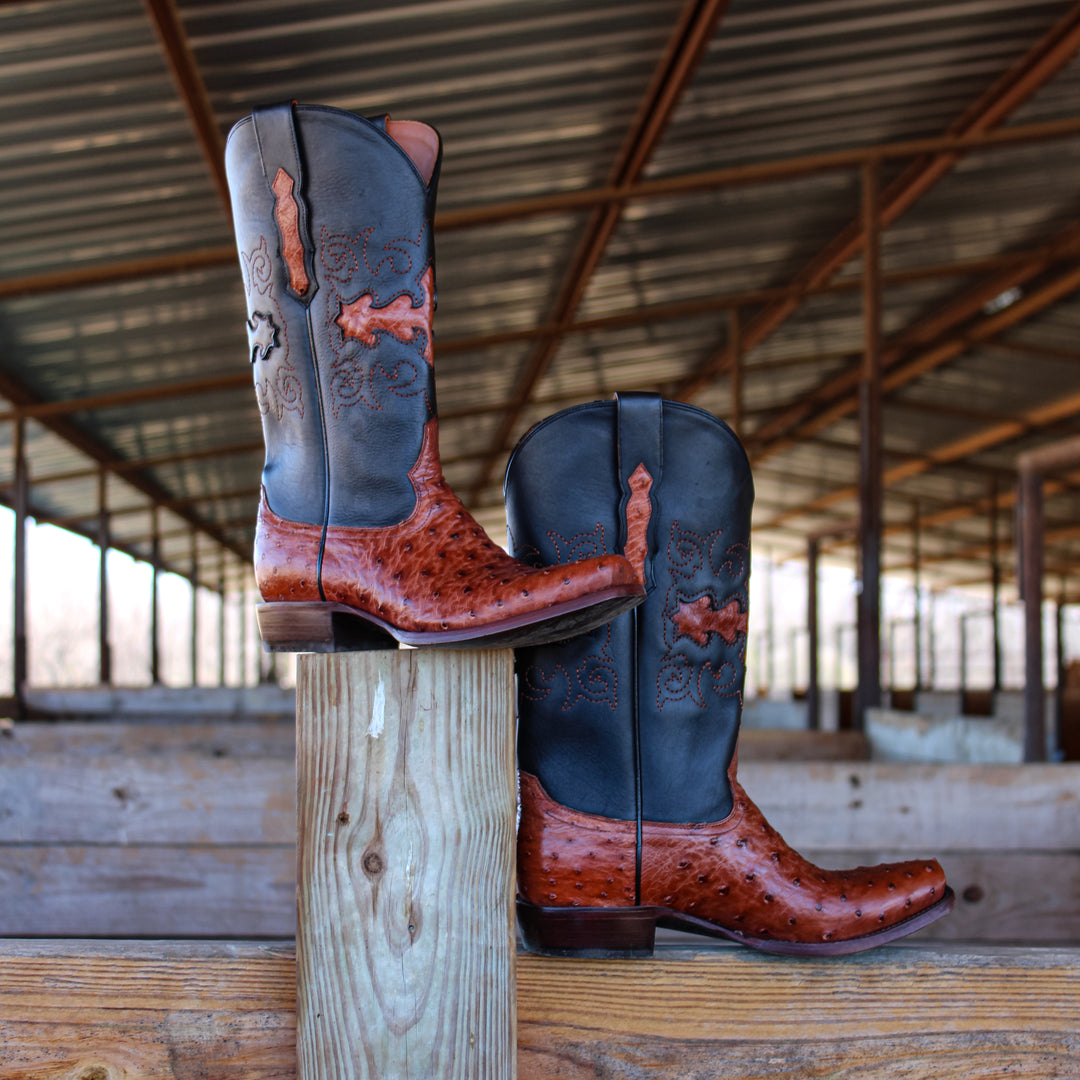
621, 933
311, 626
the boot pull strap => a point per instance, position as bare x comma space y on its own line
279, 150
640, 463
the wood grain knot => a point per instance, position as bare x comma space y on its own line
372, 863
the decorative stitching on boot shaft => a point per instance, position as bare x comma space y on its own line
738, 873
697, 617
277, 386
357, 324
595, 680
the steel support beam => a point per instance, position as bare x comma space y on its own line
221, 630
193, 577
870, 459
770, 622
19, 627
1031, 468
103, 542
189, 81
134, 396
1031, 586
736, 352
931, 640
241, 609
916, 564
765, 172
813, 694
995, 585
155, 604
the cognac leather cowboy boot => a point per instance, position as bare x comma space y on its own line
631, 813
360, 540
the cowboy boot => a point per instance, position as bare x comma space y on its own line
631, 812
360, 541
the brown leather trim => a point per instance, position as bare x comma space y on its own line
359, 319
738, 873
638, 512
699, 619
287, 216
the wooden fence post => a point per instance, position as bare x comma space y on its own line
406, 821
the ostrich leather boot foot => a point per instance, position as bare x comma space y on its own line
734, 878
632, 816
360, 541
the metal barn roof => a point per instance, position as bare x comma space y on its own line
634, 195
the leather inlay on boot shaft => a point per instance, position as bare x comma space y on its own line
333, 216
631, 813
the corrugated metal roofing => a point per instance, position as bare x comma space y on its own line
102, 170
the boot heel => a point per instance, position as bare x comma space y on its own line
602, 933
318, 627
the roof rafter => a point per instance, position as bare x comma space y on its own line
189, 82
983, 439
696, 26
990, 110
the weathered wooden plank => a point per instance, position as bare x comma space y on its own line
155, 1011
777, 744
199, 797
405, 860
60, 891
265, 700
170, 892
1001, 897
277, 738
928, 808
175, 799
136, 739
163, 1011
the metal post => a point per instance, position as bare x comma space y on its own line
995, 583
1059, 688
813, 705
890, 655
769, 619
221, 627
22, 500
736, 351
155, 561
963, 652
931, 640
104, 649
870, 457
1031, 582
194, 608
916, 563
241, 600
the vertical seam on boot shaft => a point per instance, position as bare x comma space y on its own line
325, 447
635, 699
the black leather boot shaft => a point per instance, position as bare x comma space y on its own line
334, 228
639, 718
